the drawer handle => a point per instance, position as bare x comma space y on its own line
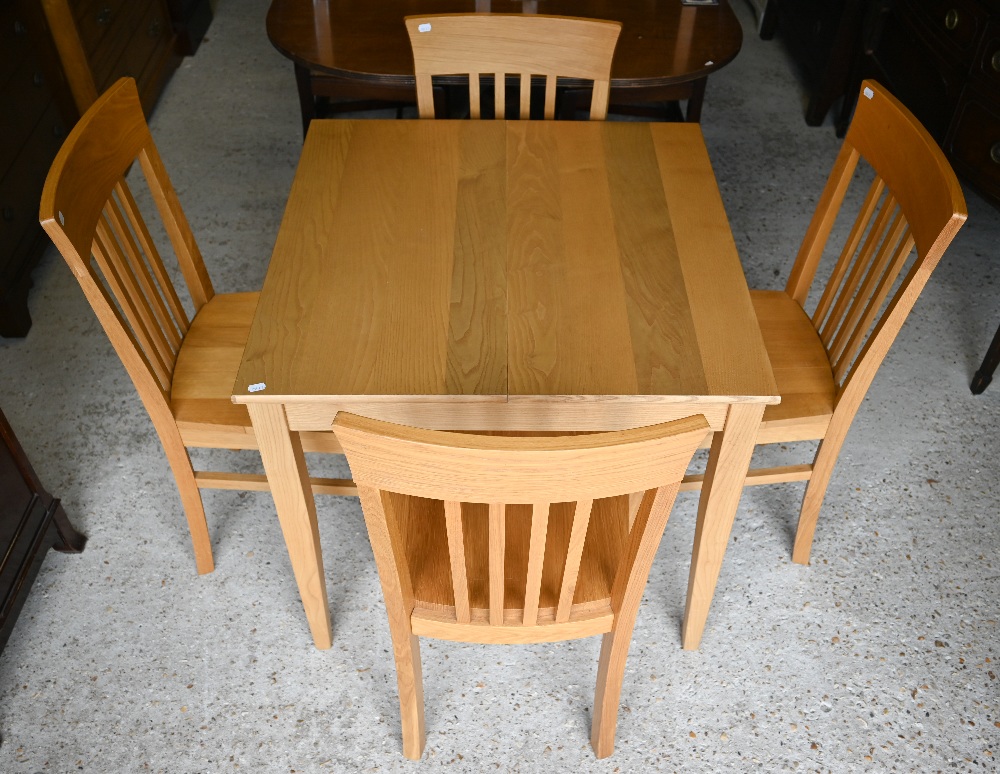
19, 29
38, 79
995, 153
951, 19
8, 214
155, 27
995, 61
104, 15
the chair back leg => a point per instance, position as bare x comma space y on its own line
812, 501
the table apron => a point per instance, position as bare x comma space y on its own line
565, 416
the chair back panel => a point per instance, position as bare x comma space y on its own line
913, 201
518, 531
498, 45
90, 213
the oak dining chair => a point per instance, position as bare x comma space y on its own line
183, 364
525, 45
510, 540
824, 360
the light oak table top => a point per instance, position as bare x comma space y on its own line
487, 275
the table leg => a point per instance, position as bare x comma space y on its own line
725, 475
285, 466
695, 100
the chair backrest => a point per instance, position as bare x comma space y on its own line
89, 211
526, 45
486, 481
914, 200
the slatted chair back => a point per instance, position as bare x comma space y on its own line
913, 201
88, 210
532, 542
526, 45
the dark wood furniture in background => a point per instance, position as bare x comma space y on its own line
358, 50
31, 522
190, 21
35, 104
824, 38
940, 58
56, 56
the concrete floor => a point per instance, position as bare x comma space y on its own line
881, 656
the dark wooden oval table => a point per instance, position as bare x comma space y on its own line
359, 51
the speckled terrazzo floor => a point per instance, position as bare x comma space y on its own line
881, 656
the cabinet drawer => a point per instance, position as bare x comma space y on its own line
955, 23
105, 64
21, 187
148, 42
28, 90
15, 42
975, 144
928, 83
989, 61
99, 21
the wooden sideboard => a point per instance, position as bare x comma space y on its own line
941, 58
56, 56
824, 39
37, 109
31, 522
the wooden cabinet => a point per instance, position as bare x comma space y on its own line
824, 38
56, 56
31, 522
34, 101
941, 58
99, 41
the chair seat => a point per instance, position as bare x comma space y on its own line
206, 369
801, 369
425, 539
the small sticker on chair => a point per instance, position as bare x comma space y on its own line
869, 93
257, 387
425, 27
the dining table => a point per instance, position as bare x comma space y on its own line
359, 52
520, 276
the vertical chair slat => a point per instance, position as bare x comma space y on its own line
525, 96
634, 501
536, 559
850, 248
136, 282
599, 100
153, 256
550, 97
456, 555
178, 230
813, 244
107, 254
876, 268
500, 95
847, 289
148, 299
879, 296
578, 534
474, 111
425, 95
497, 543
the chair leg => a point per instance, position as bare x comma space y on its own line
812, 501
194, 510
610, 672
409, 679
